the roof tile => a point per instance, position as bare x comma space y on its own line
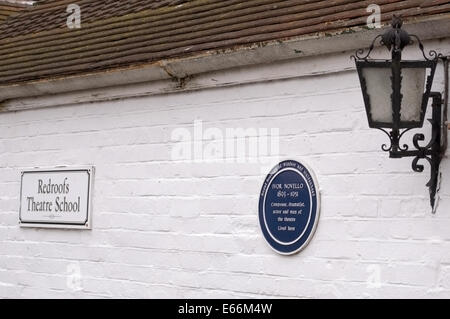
9, 9
36, 44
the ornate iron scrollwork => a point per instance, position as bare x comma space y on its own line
395, 40
359, 53
432, 55
431, 152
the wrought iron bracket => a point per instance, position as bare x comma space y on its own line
432, 152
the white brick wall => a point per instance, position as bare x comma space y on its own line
165, 228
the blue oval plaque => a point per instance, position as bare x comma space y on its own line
289, 207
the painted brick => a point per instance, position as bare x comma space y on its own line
175, 228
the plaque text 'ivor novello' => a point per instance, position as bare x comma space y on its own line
56, 198
289, 207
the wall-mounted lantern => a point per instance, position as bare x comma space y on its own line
396, 94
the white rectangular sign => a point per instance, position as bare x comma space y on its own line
56, 198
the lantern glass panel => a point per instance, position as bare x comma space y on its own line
379, 90
412, 89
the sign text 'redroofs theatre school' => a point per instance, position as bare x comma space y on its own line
56, 198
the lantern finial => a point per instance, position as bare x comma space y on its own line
397, 22
396, 38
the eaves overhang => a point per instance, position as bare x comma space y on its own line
182, 69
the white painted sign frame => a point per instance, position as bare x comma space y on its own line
90, 170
